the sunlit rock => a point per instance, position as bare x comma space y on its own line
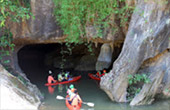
158, 70
148, 35
15, 94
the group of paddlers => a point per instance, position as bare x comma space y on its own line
72, 94
73, 97
101, 73
64, 76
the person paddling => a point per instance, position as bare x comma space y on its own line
71, 89
50, 78
74, 98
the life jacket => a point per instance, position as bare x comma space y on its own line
75, 100
98, 74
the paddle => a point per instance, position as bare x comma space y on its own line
87, 103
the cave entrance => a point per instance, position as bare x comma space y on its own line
36, 60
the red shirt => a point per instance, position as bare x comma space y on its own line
50, 79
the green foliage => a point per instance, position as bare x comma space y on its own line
134, 79
134, 83
6, 46
132, 91
65, 52
14, 10
75, 15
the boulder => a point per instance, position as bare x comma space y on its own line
86, 63
16, 94
105, 57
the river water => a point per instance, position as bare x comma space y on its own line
89, 91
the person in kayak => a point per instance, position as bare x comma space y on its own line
50, 78
104, 72
98, 74
66, 77
71, 89
74, 98
60, 78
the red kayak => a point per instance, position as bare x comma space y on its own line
70, 107
64, 82
93, 76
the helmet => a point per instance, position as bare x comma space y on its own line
50, 72
71, 86
66, 75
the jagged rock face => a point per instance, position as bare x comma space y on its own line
105, 57
148, 35
146, 95
44, 24
45, 29
131, 2
15, 94
158, 69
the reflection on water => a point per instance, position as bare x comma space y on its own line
90, 92
51, 89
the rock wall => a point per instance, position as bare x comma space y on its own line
42, 28
45, 29
158, 70
105, 57
15, 94
148, 35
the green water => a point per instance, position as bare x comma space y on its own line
90, 92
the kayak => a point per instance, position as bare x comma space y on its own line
70, 107
64, 82
93, 76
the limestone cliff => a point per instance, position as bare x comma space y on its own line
148, 35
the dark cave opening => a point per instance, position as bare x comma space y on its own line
36, 60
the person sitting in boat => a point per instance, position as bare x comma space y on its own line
66, 77
60, 78
71, 89
104, 72
50, 78
98, 74
74, 98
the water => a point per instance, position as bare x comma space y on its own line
90, 92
